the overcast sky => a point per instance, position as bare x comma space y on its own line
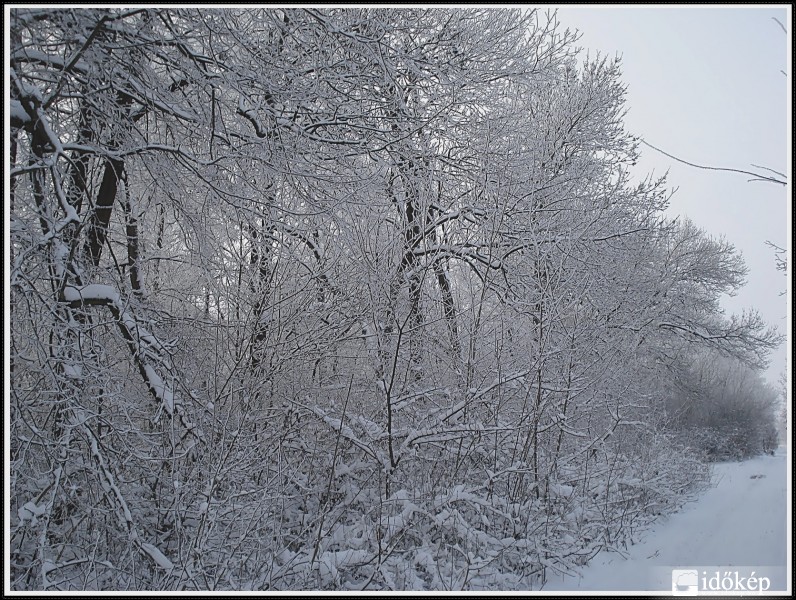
705, 84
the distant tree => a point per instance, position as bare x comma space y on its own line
724, 408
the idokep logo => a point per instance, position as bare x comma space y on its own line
689, 582
685, 582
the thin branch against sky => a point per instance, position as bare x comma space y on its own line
756, 176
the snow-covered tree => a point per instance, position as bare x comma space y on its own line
338, 299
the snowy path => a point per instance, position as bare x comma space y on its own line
742, 522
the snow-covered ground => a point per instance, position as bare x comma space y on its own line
739, 524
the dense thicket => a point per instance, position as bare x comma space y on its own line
724, 409
340, 298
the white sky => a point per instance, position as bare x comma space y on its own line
704, 84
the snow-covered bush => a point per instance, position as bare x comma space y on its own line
724, 410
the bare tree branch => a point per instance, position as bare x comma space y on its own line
756, 176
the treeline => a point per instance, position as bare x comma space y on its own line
343, 299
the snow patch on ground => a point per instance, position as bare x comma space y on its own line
741, 522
